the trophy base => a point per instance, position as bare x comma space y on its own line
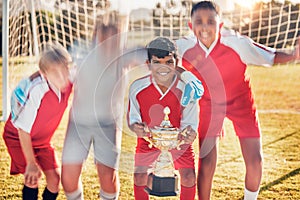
162, 186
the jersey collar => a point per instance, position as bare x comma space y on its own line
53, 88
208, 50
159, 90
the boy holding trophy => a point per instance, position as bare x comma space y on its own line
148, 98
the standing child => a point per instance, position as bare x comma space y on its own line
37, 106
148, 97
97, 110
219, 58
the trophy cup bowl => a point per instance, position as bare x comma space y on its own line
163, 181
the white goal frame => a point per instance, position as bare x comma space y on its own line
5, 75
254, 23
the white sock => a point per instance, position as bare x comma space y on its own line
76, 195
248, 195
108, 196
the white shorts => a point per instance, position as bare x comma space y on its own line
106, 139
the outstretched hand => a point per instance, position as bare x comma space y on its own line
193, 89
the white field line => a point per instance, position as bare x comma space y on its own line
279, 111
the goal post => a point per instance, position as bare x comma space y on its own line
5, 75
29, 24
272, 24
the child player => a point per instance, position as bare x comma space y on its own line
97, 110
37, 106
148, 96
219, 58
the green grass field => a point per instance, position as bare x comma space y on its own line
277, 95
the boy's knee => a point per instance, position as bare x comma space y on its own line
188, 177
208, 162
53, 182
109, 178
70, 186
258, 161
255, 164
56, 180
140, 179
254, 161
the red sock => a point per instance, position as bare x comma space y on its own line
198, 180
140, 193
187, 193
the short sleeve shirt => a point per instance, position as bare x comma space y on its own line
146, 104
36, 109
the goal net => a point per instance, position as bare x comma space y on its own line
31, 24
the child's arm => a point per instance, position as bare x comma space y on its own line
33, 172
189, 122
134, 117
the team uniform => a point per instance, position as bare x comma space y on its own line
221, 68
36, 108
98, 104
146, 104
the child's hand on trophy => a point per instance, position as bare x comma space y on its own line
140, 129
188, 135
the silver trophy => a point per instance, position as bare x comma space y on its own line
163, 181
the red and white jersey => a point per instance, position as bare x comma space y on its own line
222, 67
147, 102
40, 113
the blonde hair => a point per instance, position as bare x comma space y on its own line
54, 53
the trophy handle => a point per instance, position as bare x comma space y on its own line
147, 138
179, 144
150, 145
183, 133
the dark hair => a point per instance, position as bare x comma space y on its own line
204, 5
161, 47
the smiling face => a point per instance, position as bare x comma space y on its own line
205, 25
162, 61
163, 70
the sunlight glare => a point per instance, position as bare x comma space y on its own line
246, 3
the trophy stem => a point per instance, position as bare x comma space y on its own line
163, 181
164, 166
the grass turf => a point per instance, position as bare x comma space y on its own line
277, 97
